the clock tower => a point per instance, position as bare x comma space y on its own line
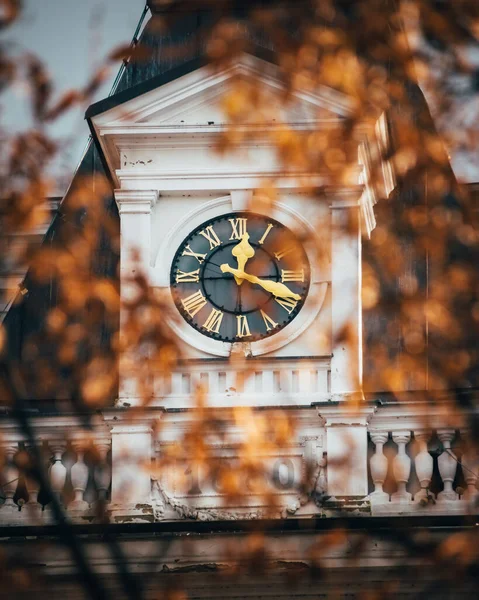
258, 293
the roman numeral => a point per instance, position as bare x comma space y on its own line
292, 275
210, 234
213, 322
268, 229
289, 304
284, 252
189, 252
238, 227
242, 326
268, 321
194, 303
189, 277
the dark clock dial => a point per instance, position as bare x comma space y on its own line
240, 277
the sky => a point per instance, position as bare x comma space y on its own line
72, 38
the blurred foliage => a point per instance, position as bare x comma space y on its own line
420, 267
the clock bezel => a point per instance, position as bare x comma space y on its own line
160, 276
176, 287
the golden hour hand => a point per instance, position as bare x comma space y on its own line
279, 290
242, 252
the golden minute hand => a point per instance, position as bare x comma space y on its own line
273, 287
242, 252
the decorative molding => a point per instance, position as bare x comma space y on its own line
125, 133
372, 150
338, 416
314, 491
241, 199
310, 438
135, 201
412, 416
367, 211
384, 143
186, 511
201, 181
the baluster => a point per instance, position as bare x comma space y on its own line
401, 467
102, 471
379, 467
322, 485
79, 476
58, 471
424, 464
10, 475
158, 500
447, 463
32, 485
470, 463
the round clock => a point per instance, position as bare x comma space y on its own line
240, 277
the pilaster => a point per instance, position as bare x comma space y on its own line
131, 461
135, 208
346, 362
347, 446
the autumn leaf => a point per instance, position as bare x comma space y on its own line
67, 101
40, 86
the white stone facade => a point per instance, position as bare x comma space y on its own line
160, 149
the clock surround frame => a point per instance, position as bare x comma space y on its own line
279, 211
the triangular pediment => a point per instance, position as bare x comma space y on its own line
196, 99
163, 131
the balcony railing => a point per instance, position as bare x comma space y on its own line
78, 463
404, 461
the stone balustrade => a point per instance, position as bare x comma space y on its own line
268, 384
78, 466
390, 460
417, 466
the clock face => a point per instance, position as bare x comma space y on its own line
240, 277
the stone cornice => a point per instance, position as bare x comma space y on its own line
136, 201
417, 416
340, 414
